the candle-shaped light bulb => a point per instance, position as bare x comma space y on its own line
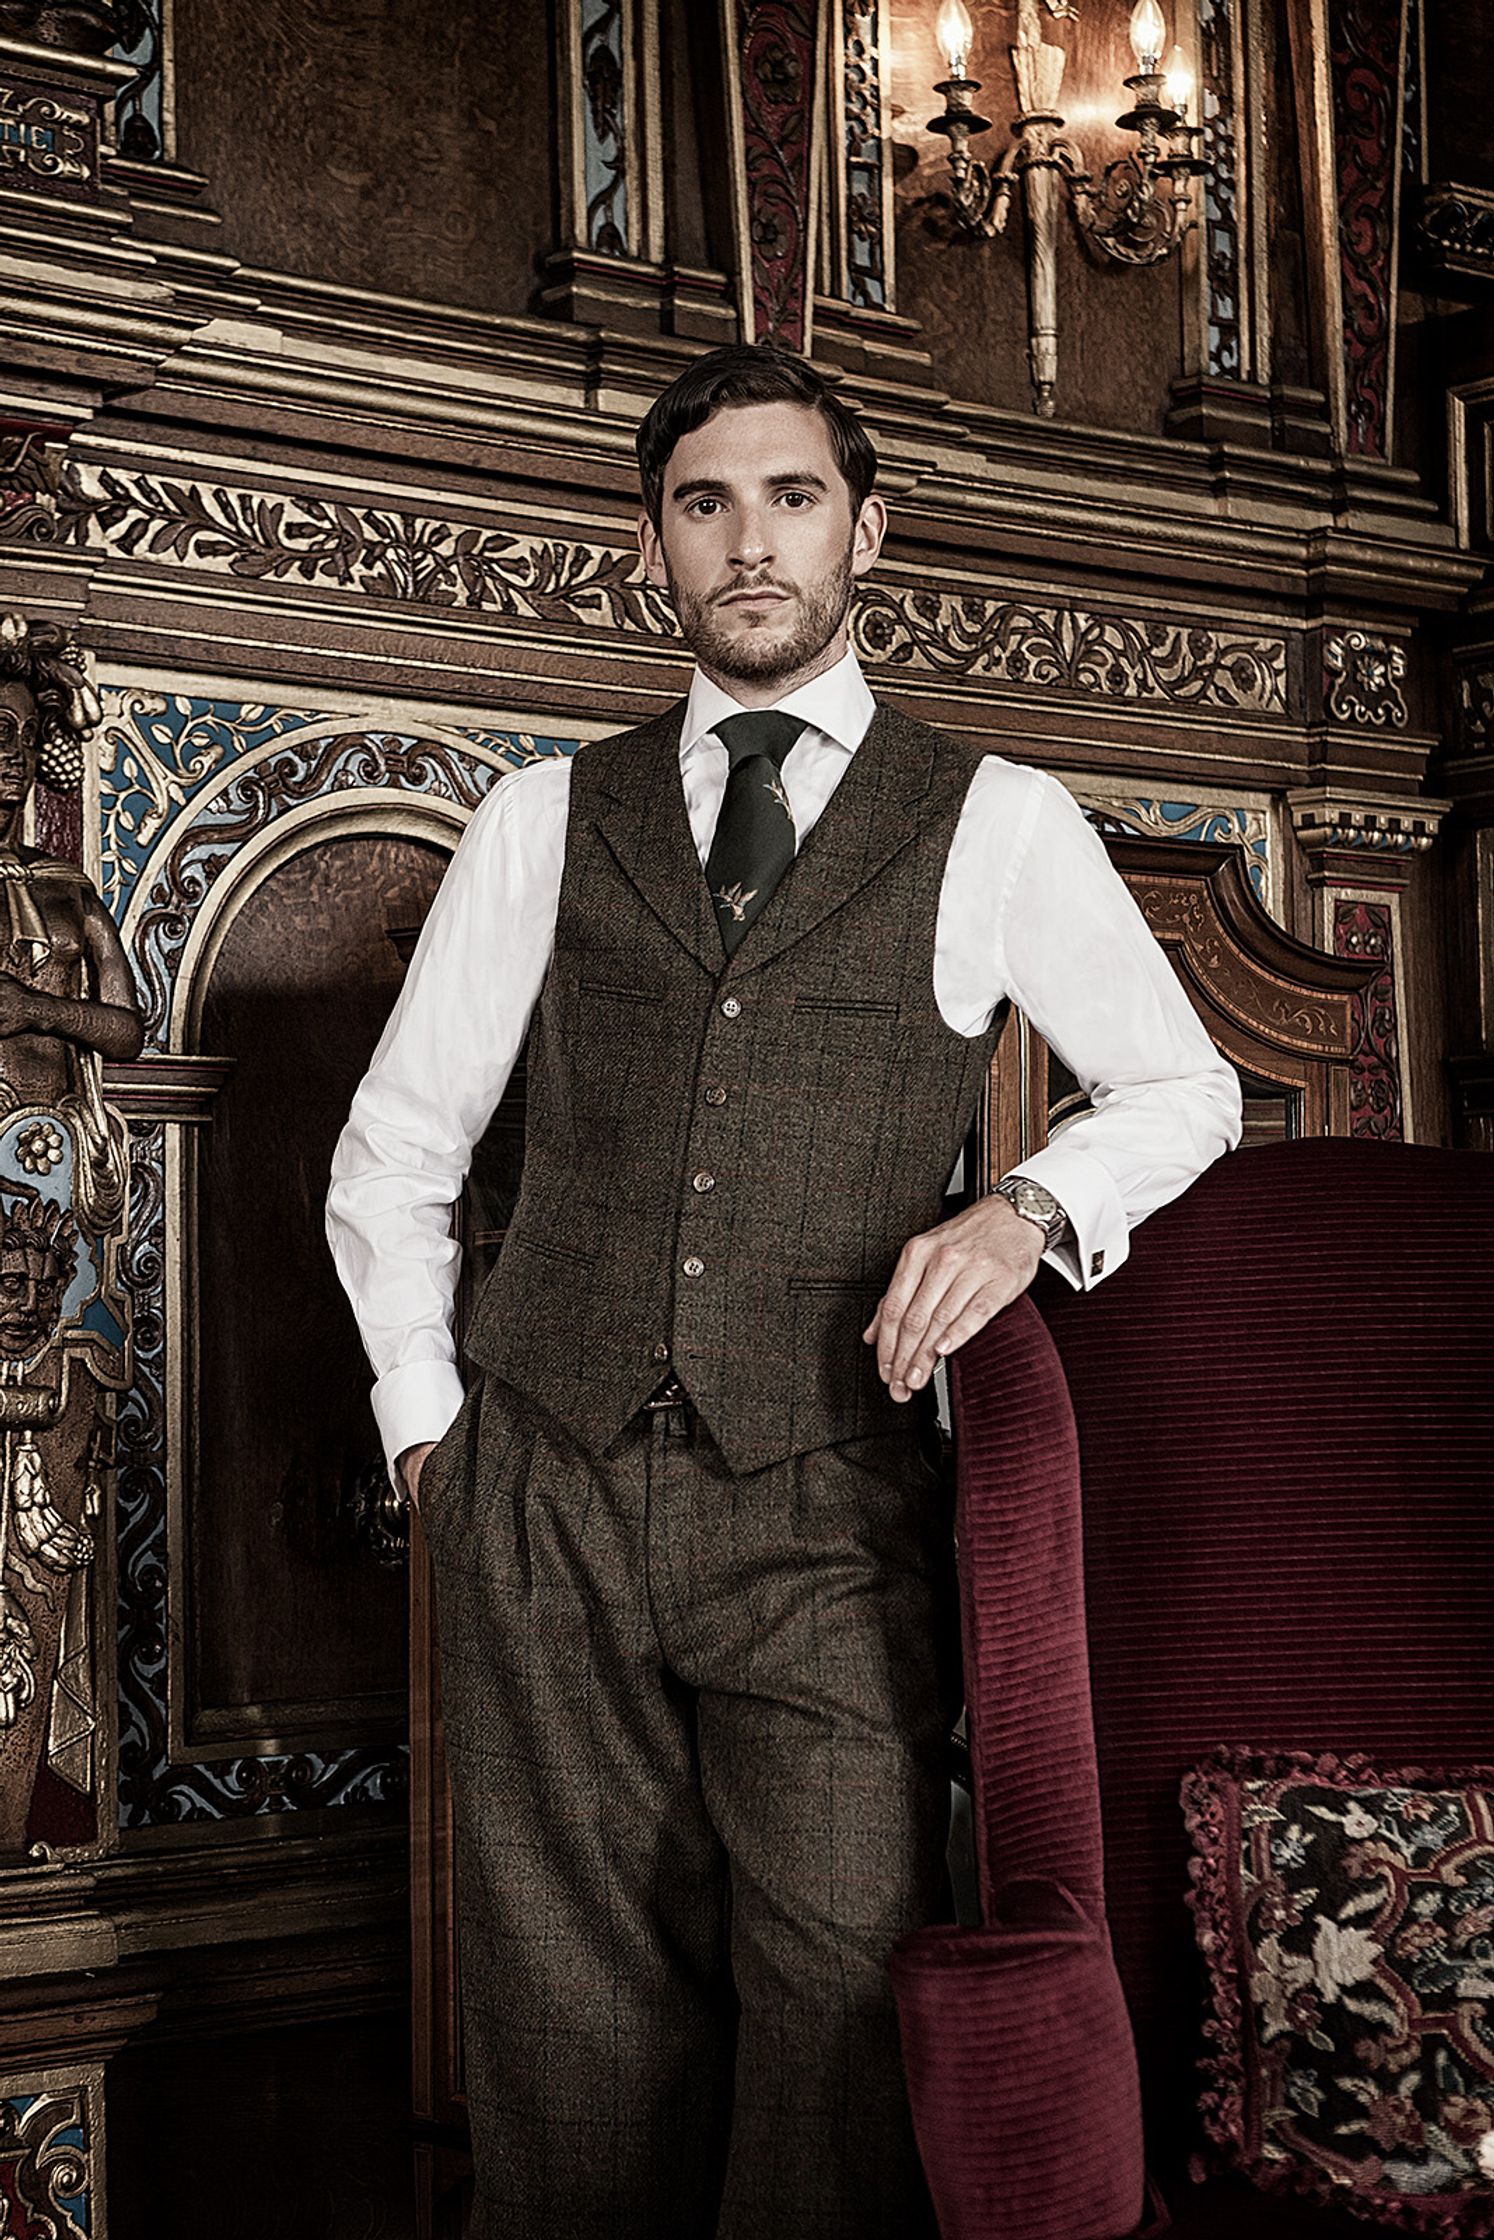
1148, 33
955, 32
1179, 81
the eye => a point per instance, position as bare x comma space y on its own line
697, 506
798, 499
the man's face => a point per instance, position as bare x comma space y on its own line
757, 543
20, 739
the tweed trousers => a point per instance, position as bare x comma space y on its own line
696, 1728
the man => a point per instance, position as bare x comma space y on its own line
693, 1568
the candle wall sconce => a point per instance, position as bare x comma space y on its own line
1138, 212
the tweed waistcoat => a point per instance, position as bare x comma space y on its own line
724, 1158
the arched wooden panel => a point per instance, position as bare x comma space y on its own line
293, 1627
1278, 1009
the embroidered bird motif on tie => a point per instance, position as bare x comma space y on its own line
753, 844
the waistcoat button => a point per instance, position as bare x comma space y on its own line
731, 1007
694, 1266
661, 1351
715, 1096
705, 1182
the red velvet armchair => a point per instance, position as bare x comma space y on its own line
1285, 1417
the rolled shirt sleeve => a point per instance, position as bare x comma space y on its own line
432, 1085
1082, 963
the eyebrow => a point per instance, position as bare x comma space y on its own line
704, 487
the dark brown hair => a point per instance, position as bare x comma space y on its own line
749, 373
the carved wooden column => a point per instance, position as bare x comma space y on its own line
773, 53
1360, 849
1349, 65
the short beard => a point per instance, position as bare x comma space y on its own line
762, 657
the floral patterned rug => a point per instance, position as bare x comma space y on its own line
1346, 1918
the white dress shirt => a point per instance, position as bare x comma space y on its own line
1030, 908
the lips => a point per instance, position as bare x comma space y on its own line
764, 598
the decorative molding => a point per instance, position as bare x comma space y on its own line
1326, 818
46, 140
52, 2156
605, 135
1455, 229
1119, 657
1221, 190
418, 560
1366, 40
1362, 679
1363, 928
1230, 824
1476, 707
864, 189
191, 783
411, 559
774, 57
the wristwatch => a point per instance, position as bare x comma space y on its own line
1034, 1203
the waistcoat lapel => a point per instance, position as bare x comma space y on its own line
644, 822
873, 814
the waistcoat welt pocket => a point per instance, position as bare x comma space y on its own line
873, 1286
852, 1007
548, 1249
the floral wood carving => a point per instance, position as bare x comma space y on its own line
1362, 674
1366, 929
777, 46
419, 560
1365, 59
1118, 656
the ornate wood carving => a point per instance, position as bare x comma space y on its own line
865, 194
1366, 45
1283, 1012
1365, 929
65, 1002
775, 52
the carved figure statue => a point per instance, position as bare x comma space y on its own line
66, 1004
66, 998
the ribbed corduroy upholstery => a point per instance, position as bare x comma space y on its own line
1285, 1406
1015, 2037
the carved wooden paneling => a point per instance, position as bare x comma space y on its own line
1287, 1015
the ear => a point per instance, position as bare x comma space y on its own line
651, 545
866, 538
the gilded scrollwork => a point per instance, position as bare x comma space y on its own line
50, 2147
1119, 657
45, 138
1363, 675
377, 551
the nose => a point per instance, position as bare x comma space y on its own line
752, 546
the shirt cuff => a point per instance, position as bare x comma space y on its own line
1100, 1234
415, 1404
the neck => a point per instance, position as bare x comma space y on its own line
766, 692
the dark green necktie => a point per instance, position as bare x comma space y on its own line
753, 844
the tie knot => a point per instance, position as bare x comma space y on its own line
759, 731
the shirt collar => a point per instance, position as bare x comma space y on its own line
837, 702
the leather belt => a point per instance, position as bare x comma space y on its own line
670, 1394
